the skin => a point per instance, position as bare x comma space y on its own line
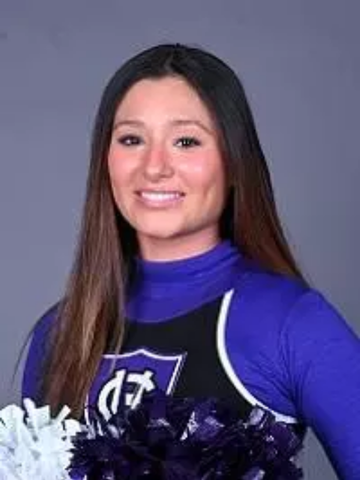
164, 140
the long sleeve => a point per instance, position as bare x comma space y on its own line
294, 353
322, 357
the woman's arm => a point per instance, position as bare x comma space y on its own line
322, 357
296, 355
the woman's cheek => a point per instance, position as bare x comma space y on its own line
193, 166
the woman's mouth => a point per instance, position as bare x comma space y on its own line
160, 198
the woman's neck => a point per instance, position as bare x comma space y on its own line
178, 248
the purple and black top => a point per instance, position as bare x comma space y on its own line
217, 325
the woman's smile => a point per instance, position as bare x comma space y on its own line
160, 198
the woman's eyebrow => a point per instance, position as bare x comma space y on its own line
130, 123
175, 122
198, 123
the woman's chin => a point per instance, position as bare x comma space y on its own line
160, 235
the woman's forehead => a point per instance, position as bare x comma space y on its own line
167, 92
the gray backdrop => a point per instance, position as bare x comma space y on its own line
300, 65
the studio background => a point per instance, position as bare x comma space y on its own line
300, 64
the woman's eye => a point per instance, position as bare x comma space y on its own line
129, 140
187, 142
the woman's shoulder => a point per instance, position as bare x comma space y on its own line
46, 320
275, 328
42, 328
268, 295
259, 309
284, 322
280, 302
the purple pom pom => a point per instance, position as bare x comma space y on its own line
166, 438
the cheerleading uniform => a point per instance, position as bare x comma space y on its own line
217, 325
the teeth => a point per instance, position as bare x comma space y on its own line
160, 196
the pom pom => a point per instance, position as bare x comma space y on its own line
165, 438
34, 446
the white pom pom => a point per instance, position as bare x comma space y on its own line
34, 446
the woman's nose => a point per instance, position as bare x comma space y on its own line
157, 163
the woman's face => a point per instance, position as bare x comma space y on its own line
166, 171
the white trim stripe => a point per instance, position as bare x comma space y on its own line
225, 361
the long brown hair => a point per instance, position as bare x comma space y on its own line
90, 318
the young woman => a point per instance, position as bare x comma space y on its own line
183, 279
